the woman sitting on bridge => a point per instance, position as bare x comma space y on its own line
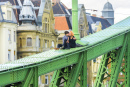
72, 40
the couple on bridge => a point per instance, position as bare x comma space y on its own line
69, 41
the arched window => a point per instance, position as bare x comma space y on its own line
46, 44
39, 43
29, 41
20, 40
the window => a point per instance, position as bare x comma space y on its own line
53, 44
14, 37
20, 40
107, 69
39, 43
9, 35
121, 82
46, 25
45, 43
45, 28
9, 55
121, 73
29, 41
46, 79
39, 79
94, 60
46, 20
14, 55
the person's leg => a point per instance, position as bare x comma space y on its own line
64, 44
68, 45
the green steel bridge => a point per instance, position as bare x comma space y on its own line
71, 65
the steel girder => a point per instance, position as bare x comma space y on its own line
116, 57
127, 64
31, 78
71, 74
17, 75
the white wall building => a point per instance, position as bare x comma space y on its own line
8, 26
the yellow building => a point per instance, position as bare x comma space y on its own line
50, 36
36, 34
8, 26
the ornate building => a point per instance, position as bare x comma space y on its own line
108, 13
36, 34
8, 35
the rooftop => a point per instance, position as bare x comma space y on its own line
62, 23
108, 7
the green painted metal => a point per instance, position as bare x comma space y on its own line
99, 43
75, 19
28, 78
35, 78
127, 64
116, 57
73, 78
69, 75
102, 69
56, 79
83, 74
116, 70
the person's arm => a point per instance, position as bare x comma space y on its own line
74, 38
67, 40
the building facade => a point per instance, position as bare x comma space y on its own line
36, 33
8, 35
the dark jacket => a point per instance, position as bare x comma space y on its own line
72, 42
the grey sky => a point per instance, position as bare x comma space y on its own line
121, 7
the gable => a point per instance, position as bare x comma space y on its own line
46, 5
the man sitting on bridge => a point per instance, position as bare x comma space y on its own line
66, 40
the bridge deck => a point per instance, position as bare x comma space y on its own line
95, 40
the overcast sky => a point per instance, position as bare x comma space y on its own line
121, 7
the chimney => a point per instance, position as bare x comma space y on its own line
94, 15
55, 1
102, 17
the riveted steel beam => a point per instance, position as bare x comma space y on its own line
28, 78
83, 74
101, 70
116, 69
73, 78
127, 64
